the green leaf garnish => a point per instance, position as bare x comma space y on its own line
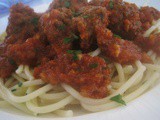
61, 27
34, 21
85, 16
13, 90
11, 61
67, 4
75, 36
117, 36
106, 60
118, 99
67, 40
74, 53
94, 65
111, 4
20, 84
76, 14
75, 57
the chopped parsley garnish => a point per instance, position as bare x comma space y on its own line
94, 65
11, 61
118, 99
67, 40
70, 51
20, 84
34, 21
85, 16
75, 57
117, 36
74, 53
111, 4
106, 60
76, 14
67, 4
13, 90
75, 36
61, 27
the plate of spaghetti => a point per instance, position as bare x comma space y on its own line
81, 59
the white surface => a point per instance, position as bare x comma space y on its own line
146, 107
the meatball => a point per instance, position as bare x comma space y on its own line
57, 26
27, 53
125, 20
89, 75
23, 23
85, 25
74, 5
148, 15
117, 49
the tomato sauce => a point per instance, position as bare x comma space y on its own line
57, 41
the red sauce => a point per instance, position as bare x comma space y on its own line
22, 23
74, 5
85, 25
148, 15
118, 50
150, 43
42, 40
27, 53
89, 75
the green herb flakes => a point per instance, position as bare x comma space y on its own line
34, 21
94, 65
11, 61
117, 36
61, 27
67, 4
20, 84
86, 16
75, 36
76, 14
111, 4
74, 53
118, 99
67, 40
13, 90
71, 39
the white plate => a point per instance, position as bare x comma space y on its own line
146, 107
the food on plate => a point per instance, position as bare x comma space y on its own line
99, 55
